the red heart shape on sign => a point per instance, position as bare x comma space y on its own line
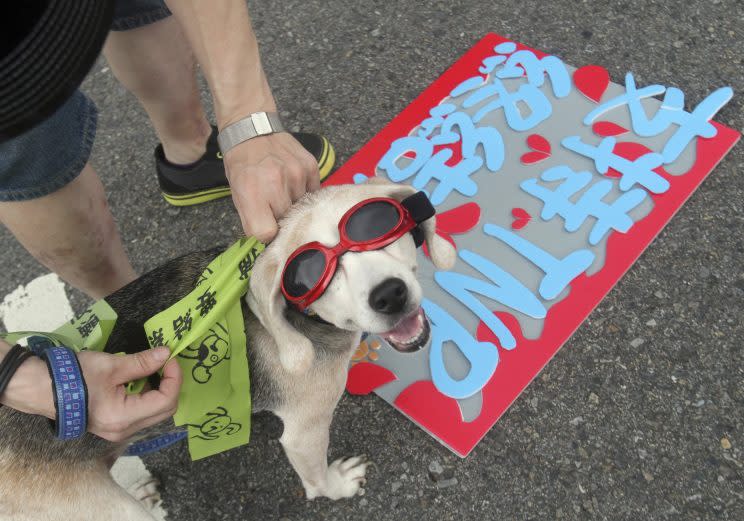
521, 218
592, 81
541, 149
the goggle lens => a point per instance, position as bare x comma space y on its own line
304, 272
372, 221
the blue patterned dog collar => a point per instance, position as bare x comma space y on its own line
70, 393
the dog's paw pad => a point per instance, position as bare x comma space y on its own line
367, 350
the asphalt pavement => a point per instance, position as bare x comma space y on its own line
639, 416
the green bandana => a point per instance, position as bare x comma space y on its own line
206, 332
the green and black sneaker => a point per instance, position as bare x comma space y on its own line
205, 180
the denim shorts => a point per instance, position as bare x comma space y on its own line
50, 155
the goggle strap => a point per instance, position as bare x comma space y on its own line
421, 209
418, 236
419, 206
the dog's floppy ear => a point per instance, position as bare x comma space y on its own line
267, 302
442, 253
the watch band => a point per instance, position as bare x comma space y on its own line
257, 124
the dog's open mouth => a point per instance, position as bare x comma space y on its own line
411, 333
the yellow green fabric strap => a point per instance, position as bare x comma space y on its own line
206, 332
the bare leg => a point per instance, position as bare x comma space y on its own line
156, 64
305, 441
73, 233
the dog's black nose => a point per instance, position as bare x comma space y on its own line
389, 297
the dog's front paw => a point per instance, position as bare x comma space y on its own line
147, 493
345, 478
132, 475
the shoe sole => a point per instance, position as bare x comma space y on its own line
325, 165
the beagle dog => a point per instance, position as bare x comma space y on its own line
298, 358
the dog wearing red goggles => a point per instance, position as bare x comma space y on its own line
344, 262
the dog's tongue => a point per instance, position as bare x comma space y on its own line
407, 328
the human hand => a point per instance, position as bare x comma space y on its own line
112, 413
267, 174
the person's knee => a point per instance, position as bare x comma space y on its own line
88, 241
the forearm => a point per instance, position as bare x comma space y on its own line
222, 38
30, 389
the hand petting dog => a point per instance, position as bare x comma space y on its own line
267, 175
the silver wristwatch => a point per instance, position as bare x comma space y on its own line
257, 124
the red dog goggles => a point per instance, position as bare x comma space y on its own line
371, 224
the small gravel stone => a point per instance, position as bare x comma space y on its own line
395, 486
375, 32
435, 470
637, 342
576, 421
446, 483
725, 443
593, 398
363, 502
315, 105
651, 323
647, 476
